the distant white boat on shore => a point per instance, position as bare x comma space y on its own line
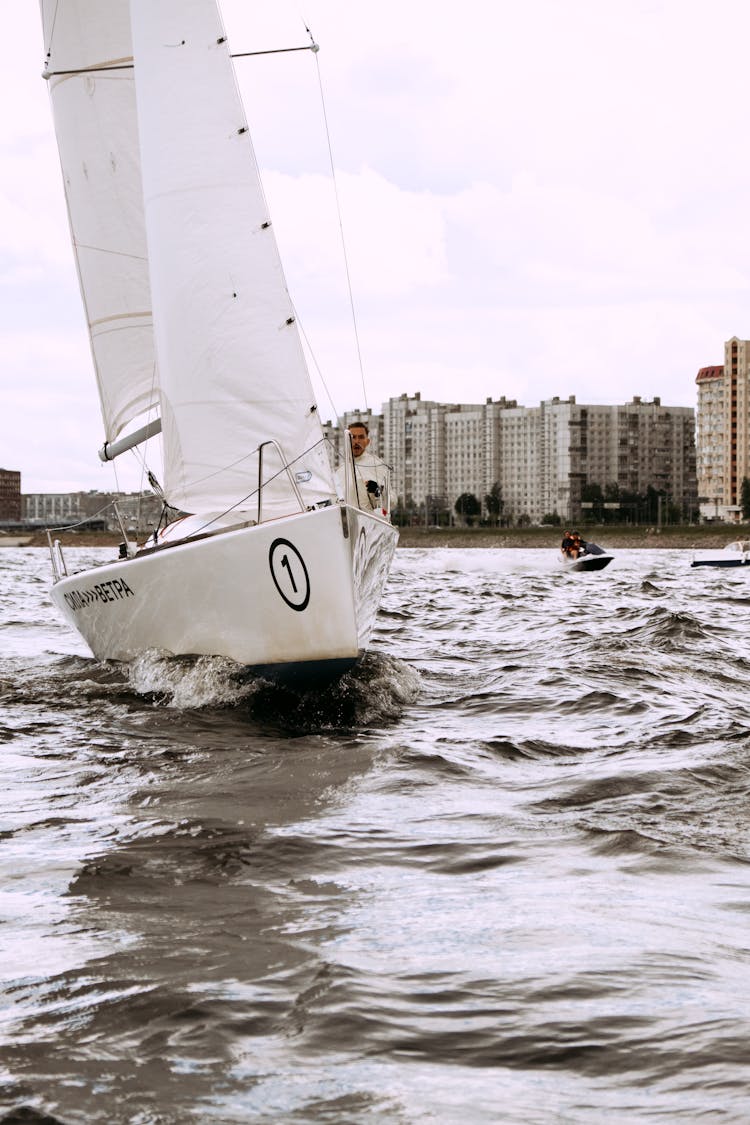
7, 540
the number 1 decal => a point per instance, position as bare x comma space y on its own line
287, 567
289, 573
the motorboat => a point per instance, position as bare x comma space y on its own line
592, 557
732, 555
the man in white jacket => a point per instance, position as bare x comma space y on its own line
371, 474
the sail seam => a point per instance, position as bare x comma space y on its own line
108, 250
101, 68
118, 316
97, 68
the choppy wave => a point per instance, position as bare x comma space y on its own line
376, 690
497, 872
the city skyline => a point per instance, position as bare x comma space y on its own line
513, 230
537, 460
376, 417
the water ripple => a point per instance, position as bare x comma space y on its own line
499, 872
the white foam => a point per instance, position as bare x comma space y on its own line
377, 688
203, 681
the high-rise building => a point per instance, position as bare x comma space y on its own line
541, 458
414, 448
723, 445
10, 496
710, 441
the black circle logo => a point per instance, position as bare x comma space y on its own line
289, 573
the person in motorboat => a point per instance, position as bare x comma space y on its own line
572, 545
370, 473
567, 544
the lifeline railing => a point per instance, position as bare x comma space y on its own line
287, 469
59, 569
350, 490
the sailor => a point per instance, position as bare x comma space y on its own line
370, 473
569, 545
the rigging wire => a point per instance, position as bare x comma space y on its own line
341, 225
145, 471
117, 479
315, 49
314, 359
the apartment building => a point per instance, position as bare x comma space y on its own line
736, 418
518, 463
542, 457
50, 509
724, 432
10, 496
465, 457
64, 509
414, 447
710, 442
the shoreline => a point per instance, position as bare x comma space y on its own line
614, 537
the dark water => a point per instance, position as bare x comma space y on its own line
499, 874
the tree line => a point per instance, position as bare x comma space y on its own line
599, 504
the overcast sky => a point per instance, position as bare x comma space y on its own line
545, 198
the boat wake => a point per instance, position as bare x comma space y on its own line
376, 690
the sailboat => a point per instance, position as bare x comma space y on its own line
273, 562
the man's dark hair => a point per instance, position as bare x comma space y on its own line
362, 425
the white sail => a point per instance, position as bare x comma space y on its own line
97, 135
232, 372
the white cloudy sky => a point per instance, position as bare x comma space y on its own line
538, 198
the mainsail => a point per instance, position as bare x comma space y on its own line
179, 266
88, 59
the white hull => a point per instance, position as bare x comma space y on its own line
734, 554
292, 595
589, 563
586, 562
